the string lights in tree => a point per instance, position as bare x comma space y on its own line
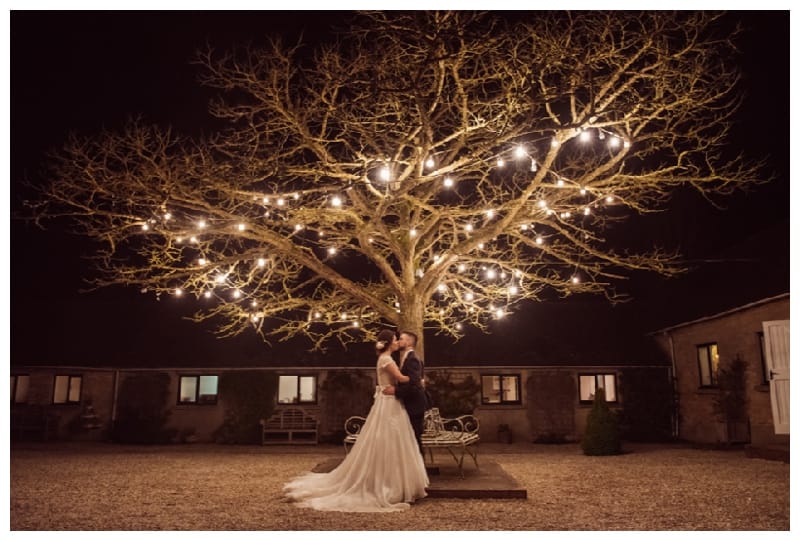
427, 171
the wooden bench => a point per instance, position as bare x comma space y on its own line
458, 435
290, 425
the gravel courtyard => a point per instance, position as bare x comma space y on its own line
70, 486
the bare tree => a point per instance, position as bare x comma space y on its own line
422, 170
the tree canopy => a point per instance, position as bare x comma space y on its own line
421, 170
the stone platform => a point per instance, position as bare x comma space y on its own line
488, 481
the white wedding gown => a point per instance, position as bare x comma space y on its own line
384, 470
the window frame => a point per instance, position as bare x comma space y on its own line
713, 382
67, 401
297, 390
503, 402
596, 375
15, 388
197, 401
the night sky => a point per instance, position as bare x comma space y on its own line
85, 70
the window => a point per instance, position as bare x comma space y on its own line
198, 390
297, 389
589, 383
19, 388
497, 389
708, 363
67, 390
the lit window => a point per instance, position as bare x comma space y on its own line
67, 390
497, 389
198, 390
19, 388
589, 383
708, 364
297, 389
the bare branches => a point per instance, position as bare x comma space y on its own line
426, 169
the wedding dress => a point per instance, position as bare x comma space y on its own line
384, 470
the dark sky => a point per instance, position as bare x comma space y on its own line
85, 70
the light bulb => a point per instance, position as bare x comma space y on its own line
462, 267
539, 240
468, 228
178, 292
201, 224
242, 227
585, 136
336, 201
413, 233
281, 201
520, 151
262, 262
575, 280
145, 227
448, 182
500, 162
429, 163
201, 261
613, 142
386, 173
491, 274
331, 250
207, 294
513, 290
554, 142
469, 295
236, 293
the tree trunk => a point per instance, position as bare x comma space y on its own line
411, 319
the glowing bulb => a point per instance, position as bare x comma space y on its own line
567, 214
355, 324
503, 275
491, 274
317, 315
442, 288
513, 290
265, 200
462, 267
298, 227
201, 262
480, 246
610, 199
583, 191
542, 203
262, 262
413, 233
560, 182
490, 214
459, 326
207, 294
242, 227
523, 227
429, 163
295, 196
336, 201
220, 278
281, 201
539, 240
386, 173
369, 240
448, 182
178, 292
587, 211
201, 224
613, 142
179, 239
254, 318
167, 216
499, 313
145, 227
575, 280
585, 136
520, 152
469, 296
343, 316
627, 144
554, 142
468, 228
331, 250
501, 162
236, 293
441, 311
254, 304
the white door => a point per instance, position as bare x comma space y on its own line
776, 351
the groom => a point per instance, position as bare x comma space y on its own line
412, 394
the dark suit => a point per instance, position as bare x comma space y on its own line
413, 395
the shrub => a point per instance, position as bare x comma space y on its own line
249, 396
452, 398
602, 430
649, 405
142, 412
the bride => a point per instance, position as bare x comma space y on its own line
384, 470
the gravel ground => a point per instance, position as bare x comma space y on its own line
70, 486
